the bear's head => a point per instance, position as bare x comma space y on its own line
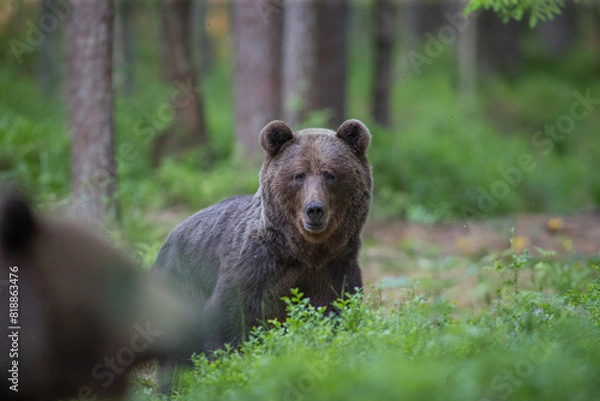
81, 314
317, 180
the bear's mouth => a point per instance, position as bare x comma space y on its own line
315, 228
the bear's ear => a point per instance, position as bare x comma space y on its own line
274, 135
17, 224
356, 135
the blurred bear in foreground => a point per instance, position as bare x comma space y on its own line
77, 315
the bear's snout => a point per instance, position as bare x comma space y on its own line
316, 219
315, 211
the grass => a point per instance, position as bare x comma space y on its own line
528, 342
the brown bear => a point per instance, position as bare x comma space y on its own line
235, 260
76, 314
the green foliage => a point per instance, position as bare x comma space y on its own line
199, 189
443, 152
588, 300
415, 349
415, 159
30, 151
34, 151
538, 10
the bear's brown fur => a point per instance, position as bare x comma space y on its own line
237, 259
83, 314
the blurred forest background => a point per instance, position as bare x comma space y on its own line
136, 113
126, 111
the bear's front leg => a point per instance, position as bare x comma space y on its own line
232, 311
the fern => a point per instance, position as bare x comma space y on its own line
537, 10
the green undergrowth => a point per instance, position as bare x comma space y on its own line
526, 345
535, 337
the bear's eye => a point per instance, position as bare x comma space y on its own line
299, 178
329, 177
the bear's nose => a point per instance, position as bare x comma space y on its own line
315, 210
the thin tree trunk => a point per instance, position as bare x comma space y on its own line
207, 58
125, 43
300, 60
408, 24
428, 16
48, 63
590, 18
408, 40
498, 45
188, 128
467, 57
420, 21
560, 34
332, 45
258, 28
89, 77
385, 23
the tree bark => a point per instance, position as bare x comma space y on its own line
428, 17
590, 18
498, 45
258, 29
49, 61
89, 77
560, 34
207, 57
332, 16
420, 20
300, 60
188, 128
125, 44
467, 56
384, 26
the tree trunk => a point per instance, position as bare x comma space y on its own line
428, 17
257, 69
498, 46
125, 44
300, 60
419, 22
207, 57
467, 56
188, 128
48, 64
332, 20
89, 77
590, 19
384, 26
560, 34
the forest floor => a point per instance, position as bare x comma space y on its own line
406, 264
566, 235
445, 259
